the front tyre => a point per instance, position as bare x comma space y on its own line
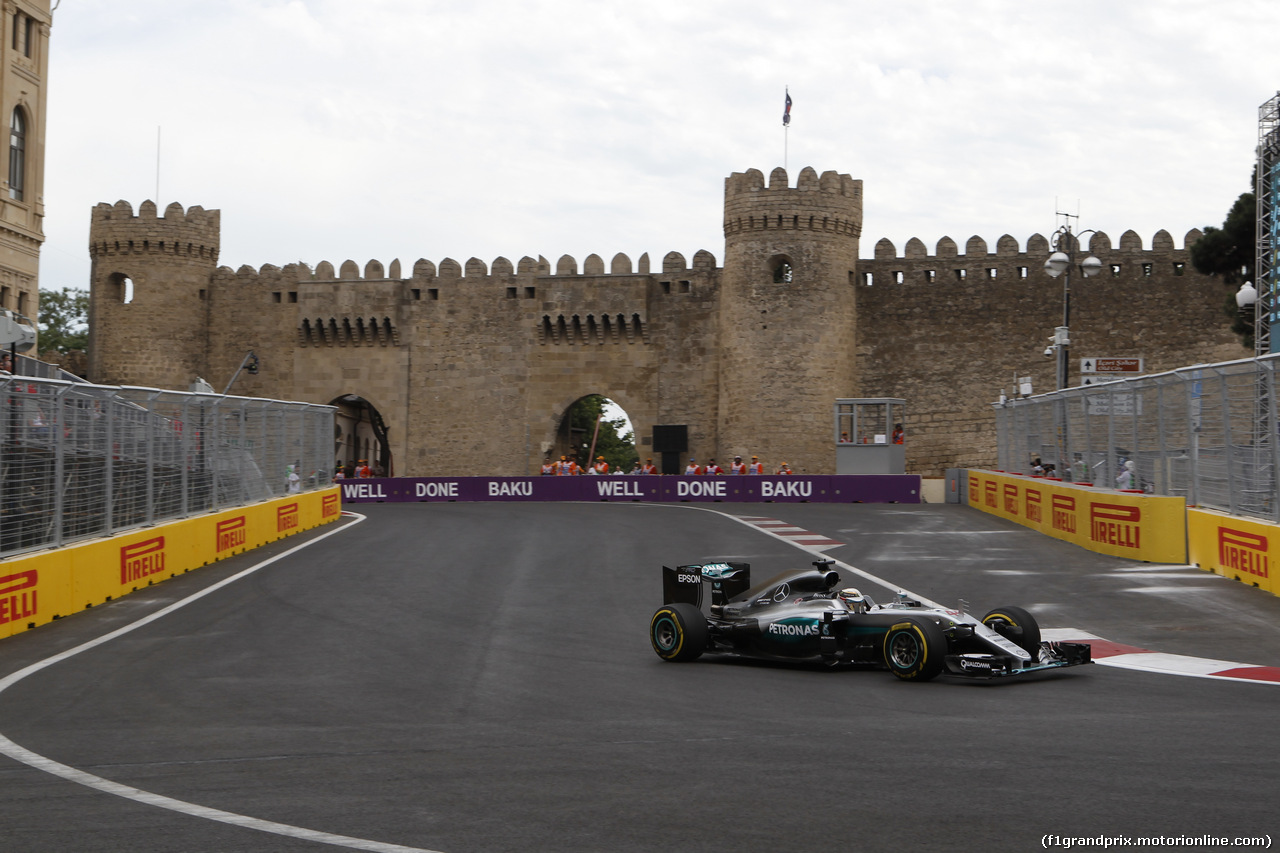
914, 649
678, 632
1017, 626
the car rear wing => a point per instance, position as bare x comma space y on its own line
684, 584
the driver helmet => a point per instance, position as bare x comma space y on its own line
852, 598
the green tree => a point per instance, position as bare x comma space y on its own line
1230, 252
63, 320
615, 442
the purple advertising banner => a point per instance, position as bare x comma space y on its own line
855, 488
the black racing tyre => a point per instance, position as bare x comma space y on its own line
914, 649
1017, 626
678, 632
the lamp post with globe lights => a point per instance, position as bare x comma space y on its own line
1066, 245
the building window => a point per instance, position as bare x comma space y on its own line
17, 153
23, 29
780, 267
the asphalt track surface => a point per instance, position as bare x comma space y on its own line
477, 677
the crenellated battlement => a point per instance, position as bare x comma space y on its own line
1099, 244
193, 233
827, 205
501, 269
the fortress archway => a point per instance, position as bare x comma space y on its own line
578, 438
360, 433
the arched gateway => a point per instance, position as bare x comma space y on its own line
473, 366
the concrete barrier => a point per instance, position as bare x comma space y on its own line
1119, 523
46, 585
1234, 547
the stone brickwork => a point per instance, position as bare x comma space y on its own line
473, 366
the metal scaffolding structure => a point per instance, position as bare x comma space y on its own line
1268, 223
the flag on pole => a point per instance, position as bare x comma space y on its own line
786, 113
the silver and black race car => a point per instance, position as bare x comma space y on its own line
800, 615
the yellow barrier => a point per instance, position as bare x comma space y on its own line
1234, 547
48, 585
1122, 524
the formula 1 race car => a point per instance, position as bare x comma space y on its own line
801, 616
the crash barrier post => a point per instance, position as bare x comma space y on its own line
47, 585
1239, 548
869, 488
1119, 523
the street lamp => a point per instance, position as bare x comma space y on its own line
1247, 302
1066, 245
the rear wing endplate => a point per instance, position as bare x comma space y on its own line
684, 584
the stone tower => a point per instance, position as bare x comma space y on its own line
787, 314
149, 294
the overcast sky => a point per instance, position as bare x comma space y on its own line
383, 129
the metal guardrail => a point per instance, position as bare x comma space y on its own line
1202, 432
79, 461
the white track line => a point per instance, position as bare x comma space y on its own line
80, 777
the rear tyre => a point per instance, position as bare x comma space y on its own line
914, 649
678, 632
1017, 626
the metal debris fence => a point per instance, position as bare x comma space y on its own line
79, 461
1206, 432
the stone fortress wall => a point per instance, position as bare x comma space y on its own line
473, 366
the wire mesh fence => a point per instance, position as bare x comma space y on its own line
1207, 433
80, 460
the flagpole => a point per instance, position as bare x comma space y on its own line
786, 127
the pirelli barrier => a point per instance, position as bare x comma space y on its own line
1119, 523
1234, 547
47, 585
864, 488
